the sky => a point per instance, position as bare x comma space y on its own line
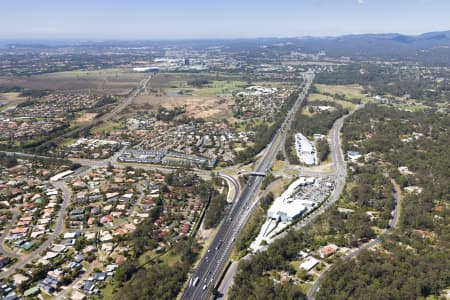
198, 19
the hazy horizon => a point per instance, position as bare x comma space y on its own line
124, 39
182, 20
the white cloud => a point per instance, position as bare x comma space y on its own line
360, 1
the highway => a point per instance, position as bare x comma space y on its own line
339, 172
93, 163
210, 267
117, 109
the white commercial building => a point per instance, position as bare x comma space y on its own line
146, 69
286, 207
61, 175
292, 204
306, 150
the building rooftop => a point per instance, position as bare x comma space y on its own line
306, 150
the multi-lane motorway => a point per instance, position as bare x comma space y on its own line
215, 258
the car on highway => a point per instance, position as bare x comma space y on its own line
219, 244
195, 282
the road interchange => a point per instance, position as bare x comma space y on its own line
216, 257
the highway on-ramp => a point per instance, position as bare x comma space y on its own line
216, 257
233, 188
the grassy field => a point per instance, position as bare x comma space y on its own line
276, 84
210, 108
305, 287
413, 108
318, 97
280, 186
165, 80
109, 290
146, 257
211, 101
350, 91
254, 122
107, 81
107, 126
67, 142
278, 165
214, 88
169, 258
12, 99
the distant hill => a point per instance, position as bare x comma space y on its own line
432, 47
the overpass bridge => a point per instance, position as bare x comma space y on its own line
252, 173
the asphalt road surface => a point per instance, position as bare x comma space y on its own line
117, 109
233, 187
216, 257
393, 222
5, 234
59, 227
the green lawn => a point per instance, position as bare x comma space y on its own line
318, 97
146, 257
413, 108
305, 287
212, 89
111, 74
108, 291
220, 87
107, 126
168, 258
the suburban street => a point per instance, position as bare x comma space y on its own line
5, 234
239, 150
116, 110
59, 227
212, 263
339, 171
372, 243
92, 163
